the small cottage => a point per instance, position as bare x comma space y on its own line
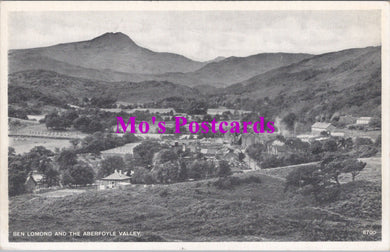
34, 181
363, 120
113, 181
319, 127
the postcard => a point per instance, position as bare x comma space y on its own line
195, 125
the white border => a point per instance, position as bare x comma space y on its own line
192, 6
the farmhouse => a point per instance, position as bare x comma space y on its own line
363, 120
34, 182
319, 127
113, 181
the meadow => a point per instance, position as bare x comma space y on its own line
251, 210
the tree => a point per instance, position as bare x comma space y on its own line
51, 176
94, 126
290, 120
241, 156
81, 174
196, 108
82, 123
141, 176
109, 165
66, 158
69, 116
195, 170
353, 166
375, 122
297, 144
144, 152
303, 176
56, 121
255, 151
17, 174
168, 155
330, 145
75, 142
166, 173
363, 141
223, 169
333, 169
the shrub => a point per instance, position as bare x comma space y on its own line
231, 182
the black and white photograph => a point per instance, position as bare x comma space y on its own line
195, 124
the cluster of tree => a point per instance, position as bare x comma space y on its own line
177, 171
297, 151
230, 182
73, 171
38, 159
62, 166
97, 101
322, 181
190, 106
17, 113
144, 153
91, 120
164, 165
108, 165
79, 120
60, 121
100, 141
23, 110
21, 96
55, 167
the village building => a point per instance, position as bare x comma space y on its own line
319, 127
338, 133
347, 119
276, 147
114, 180
249, 139
210, 149
34, 181
363, 120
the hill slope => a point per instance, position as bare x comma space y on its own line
199, 211
348, 81
115, 57
68, 88
235, 69
336, 70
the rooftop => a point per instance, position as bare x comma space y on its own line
116, 176
321, 125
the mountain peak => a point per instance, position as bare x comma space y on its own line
117, 39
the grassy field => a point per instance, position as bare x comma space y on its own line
25, 144
200, 211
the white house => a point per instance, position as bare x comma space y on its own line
363, 120
114, 180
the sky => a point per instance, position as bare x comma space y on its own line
204, 35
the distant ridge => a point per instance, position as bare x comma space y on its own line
110, 51
114, 56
